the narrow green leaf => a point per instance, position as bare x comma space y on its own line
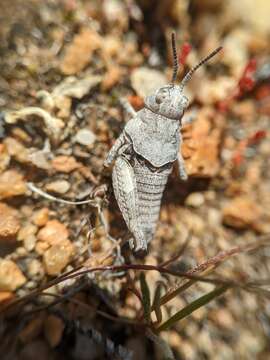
181, 288
156, 303
196, 304
170, 295
145, 297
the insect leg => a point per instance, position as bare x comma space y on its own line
128, 107
181, 167
114, 150
125, 189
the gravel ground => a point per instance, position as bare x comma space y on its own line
66, 66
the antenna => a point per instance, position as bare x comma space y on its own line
188, 76
175, 60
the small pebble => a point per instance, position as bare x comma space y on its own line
214, 217
194, 223
85, 137
11, 277
195, 200
31, 285
201, 145
65, 164
241, 212
57, 257
9, 223
21, 251
223, 318
17, 150
30, 243
79, 52
11, 184
145, 81
4, 157
26, 231
41, 247
26, 211
41, 217
58, 187
212, 91
35, 269
53, 233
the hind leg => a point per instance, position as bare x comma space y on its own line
125, 189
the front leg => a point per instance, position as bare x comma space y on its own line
128, 107
181, 162
114, 150
181, 167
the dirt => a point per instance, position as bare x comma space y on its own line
66, 67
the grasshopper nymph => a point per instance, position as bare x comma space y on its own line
144, 154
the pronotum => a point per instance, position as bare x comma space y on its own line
144, 154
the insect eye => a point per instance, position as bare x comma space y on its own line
161, 95
159, 99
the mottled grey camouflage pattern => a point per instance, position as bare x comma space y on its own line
154, 137
144, 155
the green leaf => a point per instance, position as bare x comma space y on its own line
156, 303
196, 304
146, 301
181, 288
170, 295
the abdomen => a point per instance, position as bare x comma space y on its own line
150, 187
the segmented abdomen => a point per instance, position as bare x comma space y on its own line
150, 187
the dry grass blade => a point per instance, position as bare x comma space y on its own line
191, 275
210, 264
42, 193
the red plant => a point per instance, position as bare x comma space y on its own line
185, 50
246, 83
254, 139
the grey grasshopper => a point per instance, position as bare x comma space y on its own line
144, 154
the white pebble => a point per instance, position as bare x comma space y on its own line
85, 137
58, 186
195, 200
